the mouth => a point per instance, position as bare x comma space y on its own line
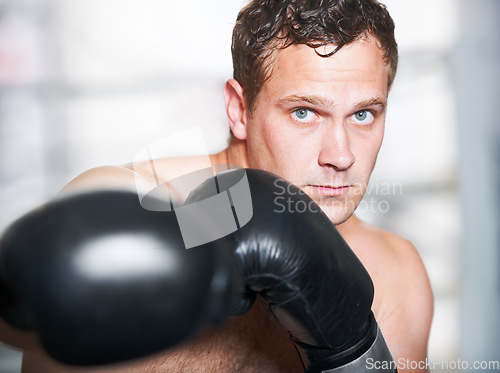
328, 190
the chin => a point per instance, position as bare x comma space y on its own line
336, 214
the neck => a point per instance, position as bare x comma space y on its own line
348, 226
235, 154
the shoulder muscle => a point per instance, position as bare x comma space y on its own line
105, 177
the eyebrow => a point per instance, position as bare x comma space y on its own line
319, 101
371, 102
313, 100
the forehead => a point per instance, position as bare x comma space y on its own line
359, 65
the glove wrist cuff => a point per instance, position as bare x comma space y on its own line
377, 359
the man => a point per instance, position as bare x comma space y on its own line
307, 102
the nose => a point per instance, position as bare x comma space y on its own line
335, 151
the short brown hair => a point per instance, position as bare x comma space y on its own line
265, 25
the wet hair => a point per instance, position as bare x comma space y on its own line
264, 26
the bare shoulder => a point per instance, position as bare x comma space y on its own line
406, 276
146, 174
165, 169
104, 177
380, 250
403, 303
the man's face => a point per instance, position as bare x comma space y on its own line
319, 122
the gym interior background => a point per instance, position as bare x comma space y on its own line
90, 83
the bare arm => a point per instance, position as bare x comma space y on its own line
411, 314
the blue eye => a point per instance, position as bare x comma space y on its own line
303, 114
363, 117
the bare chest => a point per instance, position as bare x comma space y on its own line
249, 343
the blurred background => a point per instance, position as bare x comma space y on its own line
91, 83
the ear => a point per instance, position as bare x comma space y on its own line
236, 108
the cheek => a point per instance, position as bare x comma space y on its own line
376, 142
271, 137
263, 145
367, 148
274, 148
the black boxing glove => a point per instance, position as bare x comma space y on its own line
298, 263
102, 280
89, 311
